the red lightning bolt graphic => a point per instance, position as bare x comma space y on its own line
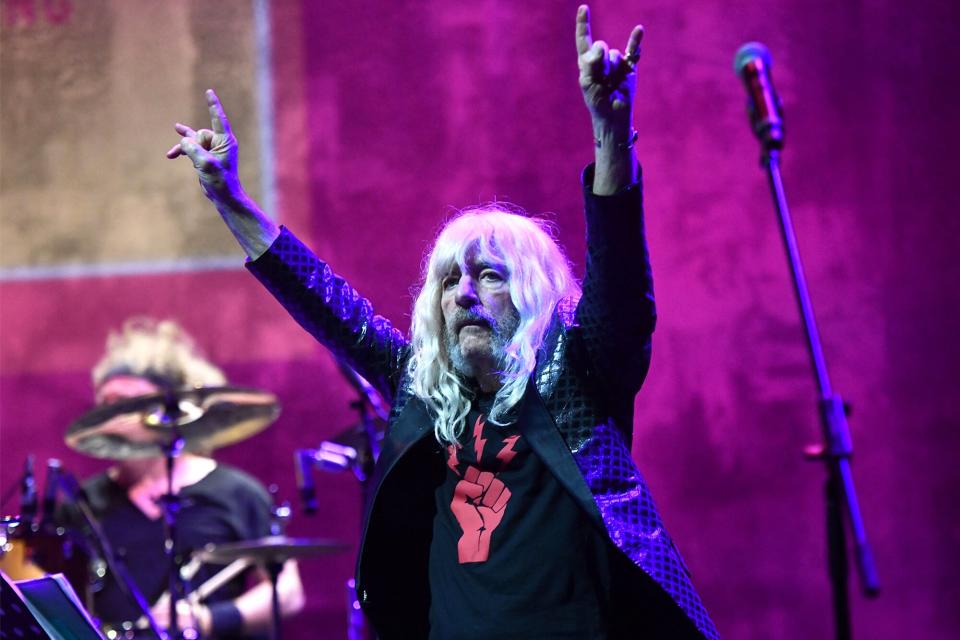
452, 461
478, 442
507, 453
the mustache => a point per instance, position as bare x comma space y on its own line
474, 315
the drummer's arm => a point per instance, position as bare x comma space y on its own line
256, 604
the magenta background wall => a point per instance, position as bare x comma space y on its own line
387, 113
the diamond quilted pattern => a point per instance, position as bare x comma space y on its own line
592, 363
333, 312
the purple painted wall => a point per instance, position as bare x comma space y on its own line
387, 113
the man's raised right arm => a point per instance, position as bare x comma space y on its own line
214, 155
323, 303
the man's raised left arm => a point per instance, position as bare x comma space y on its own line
616, 313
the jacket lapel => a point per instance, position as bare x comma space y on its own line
538, 427
406, 430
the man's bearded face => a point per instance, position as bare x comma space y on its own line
479, 317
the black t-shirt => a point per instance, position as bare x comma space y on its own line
512, 554
227, 505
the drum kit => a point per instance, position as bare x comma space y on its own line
195, 420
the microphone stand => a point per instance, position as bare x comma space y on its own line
75, 495
837, 448
371, 407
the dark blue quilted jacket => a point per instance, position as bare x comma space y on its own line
577, 415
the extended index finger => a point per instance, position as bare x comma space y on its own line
218, 119
584, 39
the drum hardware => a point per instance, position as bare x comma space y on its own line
170, 504
269, 549
28, 494
196, 596
369, 401
8, 525
356, 448
168, 423
32, 548
74, 493
280, 515
96, 566
205, 418
238, 557
270, 553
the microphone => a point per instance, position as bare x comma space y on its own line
71, 487
52, 486
303, 460
28, 494
753, 64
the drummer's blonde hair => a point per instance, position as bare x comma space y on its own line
153, 349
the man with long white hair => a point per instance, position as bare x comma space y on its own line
505, 503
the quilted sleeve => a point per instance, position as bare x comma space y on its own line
616, 313
332, 311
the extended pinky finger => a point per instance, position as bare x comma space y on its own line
632, 52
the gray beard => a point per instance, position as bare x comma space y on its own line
500, 338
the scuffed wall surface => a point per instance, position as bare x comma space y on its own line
90, 93
388, 113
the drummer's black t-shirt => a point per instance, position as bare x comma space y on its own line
512, 555
227, 505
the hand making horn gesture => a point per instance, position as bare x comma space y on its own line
214, 155
608, 77
608, 80
213, 152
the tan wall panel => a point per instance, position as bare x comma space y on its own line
88, 100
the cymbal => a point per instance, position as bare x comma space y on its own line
269, 549
205, 417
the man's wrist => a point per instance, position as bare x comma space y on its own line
605, 129
616, 167
617, 142
252, 228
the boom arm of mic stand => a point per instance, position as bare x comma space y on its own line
76, 496
838, 442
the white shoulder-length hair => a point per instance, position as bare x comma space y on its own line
538, 275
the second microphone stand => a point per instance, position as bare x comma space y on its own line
837, 447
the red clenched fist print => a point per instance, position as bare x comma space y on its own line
479, 502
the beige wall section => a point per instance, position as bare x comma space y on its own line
86, 113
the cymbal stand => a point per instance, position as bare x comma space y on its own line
170, 503
279, 517
274, 568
